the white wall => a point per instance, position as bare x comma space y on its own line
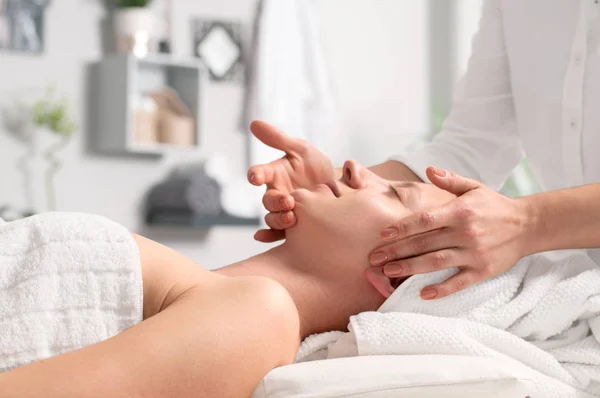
378, 56
378, 52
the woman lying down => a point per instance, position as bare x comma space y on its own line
73, 323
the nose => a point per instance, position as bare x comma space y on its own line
353, 175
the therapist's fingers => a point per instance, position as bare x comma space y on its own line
414, 246
281, 220
451, 182
380, 282
262, 174
277, 201
269, 235
429, 262
447, 215
275, 138
420, 222
463, 279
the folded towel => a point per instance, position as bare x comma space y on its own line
544, 313
196, 193
204, 195
66, 281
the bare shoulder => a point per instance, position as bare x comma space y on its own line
277, 315
263, 305
167, 274
265, 313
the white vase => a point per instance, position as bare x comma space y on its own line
135, 30
40, 166
33, 166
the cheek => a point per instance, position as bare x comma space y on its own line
372, 214
354, 222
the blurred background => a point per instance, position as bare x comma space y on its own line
138, 110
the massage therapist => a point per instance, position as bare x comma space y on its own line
532, 87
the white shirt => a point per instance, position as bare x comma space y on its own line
532, 86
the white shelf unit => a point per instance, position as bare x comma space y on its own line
116, 82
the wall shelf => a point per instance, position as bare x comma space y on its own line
118, 80
184, 219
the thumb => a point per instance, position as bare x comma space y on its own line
273, 137
450, 181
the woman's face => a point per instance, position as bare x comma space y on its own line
340, 222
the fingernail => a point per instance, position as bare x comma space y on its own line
393, 270
439, 172
286, 217
389, 233
284, 203
429, 294
253, 178
378, 258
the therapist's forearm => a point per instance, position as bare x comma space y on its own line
564, 219
390, 170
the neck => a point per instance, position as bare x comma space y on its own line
319, 301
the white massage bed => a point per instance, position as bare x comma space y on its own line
400, 376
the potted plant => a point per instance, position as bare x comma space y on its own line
52, 120
134, 26
43, 126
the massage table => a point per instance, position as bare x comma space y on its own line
405, 376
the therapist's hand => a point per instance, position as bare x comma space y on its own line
302, 166
481, 232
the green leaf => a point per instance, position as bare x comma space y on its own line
133, 3
53, 114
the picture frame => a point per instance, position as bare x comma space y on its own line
218, 44
22, 25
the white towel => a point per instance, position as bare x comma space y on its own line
66, 281
544, 313
289, 82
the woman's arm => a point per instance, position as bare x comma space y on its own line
564, 219
479, 138
215, 337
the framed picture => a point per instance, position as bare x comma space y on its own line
22, 25
219, 45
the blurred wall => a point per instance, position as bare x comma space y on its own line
378, 52
379, 57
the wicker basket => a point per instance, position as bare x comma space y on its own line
175, 123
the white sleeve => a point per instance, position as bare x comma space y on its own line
479, 138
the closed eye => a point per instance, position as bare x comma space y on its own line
395, 193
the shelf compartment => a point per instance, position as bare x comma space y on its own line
116, 83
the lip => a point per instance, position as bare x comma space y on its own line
334, 188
